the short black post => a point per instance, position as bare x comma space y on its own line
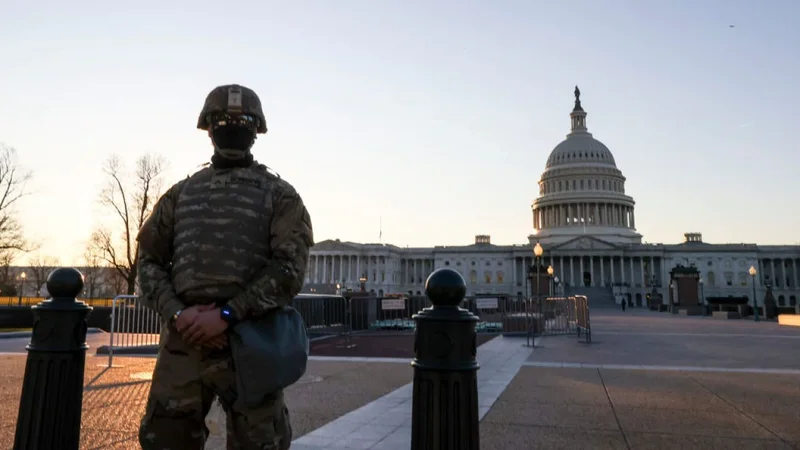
445, 399
52, 390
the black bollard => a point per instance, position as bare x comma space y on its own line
52, 390
445, 400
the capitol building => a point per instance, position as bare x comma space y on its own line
585, 222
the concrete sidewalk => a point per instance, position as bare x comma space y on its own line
547, 408
114, 399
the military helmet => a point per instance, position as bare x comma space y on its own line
232, 99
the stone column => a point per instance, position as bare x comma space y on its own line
602, 271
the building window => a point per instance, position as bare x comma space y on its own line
712, 279
500, 277
488, 277
729, 278
473, 277
743, 278
447, 263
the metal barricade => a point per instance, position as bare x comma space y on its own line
560, 316
583, 319
337, 315
132, 325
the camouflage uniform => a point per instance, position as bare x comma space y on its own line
239, 236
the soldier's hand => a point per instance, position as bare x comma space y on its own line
189, 315
206, 326
218, 342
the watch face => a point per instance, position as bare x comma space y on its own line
226, 313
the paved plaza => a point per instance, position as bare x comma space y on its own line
648, 381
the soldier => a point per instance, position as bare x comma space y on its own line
227, 244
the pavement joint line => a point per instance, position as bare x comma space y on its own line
570, 365
500, 360
613, 410
739, 410
747, 335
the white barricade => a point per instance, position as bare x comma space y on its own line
132, 325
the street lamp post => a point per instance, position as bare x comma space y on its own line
753, 273
550, 275
338, 289
22, 278
363, 281
537, 253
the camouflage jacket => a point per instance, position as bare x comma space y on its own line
240, 236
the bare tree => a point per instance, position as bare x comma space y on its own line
7, 258
93, 272
117, 283
13, 181
7, 283
40, 267
130, 198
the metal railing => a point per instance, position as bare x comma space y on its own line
326, 315
560, 316
329, 315
132, 325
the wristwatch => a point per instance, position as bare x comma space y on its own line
175, 316
227, 314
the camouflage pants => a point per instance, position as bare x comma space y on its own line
184, 384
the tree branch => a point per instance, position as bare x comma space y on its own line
131, 203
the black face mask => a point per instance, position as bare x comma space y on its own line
232, 145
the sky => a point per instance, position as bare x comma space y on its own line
418, 123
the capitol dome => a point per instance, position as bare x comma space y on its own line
581, 190
579, 148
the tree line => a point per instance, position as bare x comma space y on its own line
111, 250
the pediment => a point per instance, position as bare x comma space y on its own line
333, 245
585, 243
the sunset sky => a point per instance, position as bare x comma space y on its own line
434, 118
